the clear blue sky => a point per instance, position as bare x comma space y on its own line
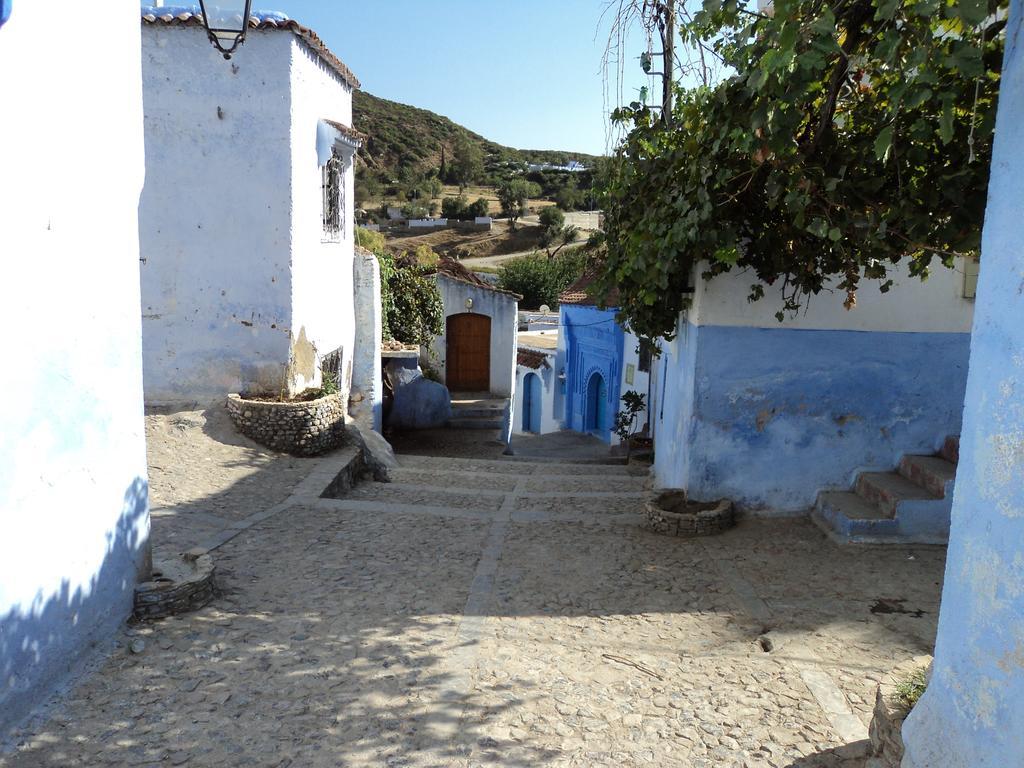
525, 73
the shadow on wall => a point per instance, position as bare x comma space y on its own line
42, 642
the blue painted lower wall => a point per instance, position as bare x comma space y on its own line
594, 345
972, 714
780, 414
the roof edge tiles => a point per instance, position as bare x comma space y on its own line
454, 270
357, 137
262, 21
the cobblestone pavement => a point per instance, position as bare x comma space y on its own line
477, 613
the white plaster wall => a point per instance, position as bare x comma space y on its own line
214, 218
641, 379
935, 305
504, 313
322, 272
671, 406
367, 386
74, 522
551, 419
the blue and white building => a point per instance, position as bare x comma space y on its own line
600, 361
770, 414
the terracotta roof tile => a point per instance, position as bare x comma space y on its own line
580, 293
348, 132
262, 21
533, 358
455, 270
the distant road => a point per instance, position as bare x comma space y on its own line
585, 220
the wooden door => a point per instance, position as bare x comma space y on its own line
468, 354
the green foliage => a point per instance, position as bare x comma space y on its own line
410, 302
849, 136
467, 164
425, 256
330, 383
460, 209
478, 208
513, 195
417, 314
540, 280
912, 688
370, 240
551, 218
454, 207
626, 419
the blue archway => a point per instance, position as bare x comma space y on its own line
532, 399
597, 404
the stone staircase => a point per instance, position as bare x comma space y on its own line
483, 411
489, 489
909, 505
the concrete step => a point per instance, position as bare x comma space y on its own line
479, 411
888, 490
537, 468
847, 517
951, 449
933, 473
475, 422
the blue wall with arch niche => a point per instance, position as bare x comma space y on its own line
594, 344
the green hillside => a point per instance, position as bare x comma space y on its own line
404, 137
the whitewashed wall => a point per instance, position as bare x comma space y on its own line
367, 385
504, 313
551, 418
641, 380
746, 406
74, 522
322, 272
215, 215
935, 305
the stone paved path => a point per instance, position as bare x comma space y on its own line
483, 612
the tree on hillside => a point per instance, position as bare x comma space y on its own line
844, 137
514, 194
554, 234
467, 162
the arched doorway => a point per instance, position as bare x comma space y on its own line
532, 398
597, 406
468, 353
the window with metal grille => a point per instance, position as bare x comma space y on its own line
333, 200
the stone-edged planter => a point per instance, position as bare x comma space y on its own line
672, 514
176, 586
301, 429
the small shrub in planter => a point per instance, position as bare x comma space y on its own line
672, 513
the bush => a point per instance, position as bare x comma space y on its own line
370, 240
410, 301
454, 207
425, 256
552, 218
540, 280
480, 208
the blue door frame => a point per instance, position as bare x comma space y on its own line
532, 399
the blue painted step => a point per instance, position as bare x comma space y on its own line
909, 506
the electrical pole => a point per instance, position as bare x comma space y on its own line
668, 35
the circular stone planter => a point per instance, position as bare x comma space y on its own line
672, 514
176, 586
301, 429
